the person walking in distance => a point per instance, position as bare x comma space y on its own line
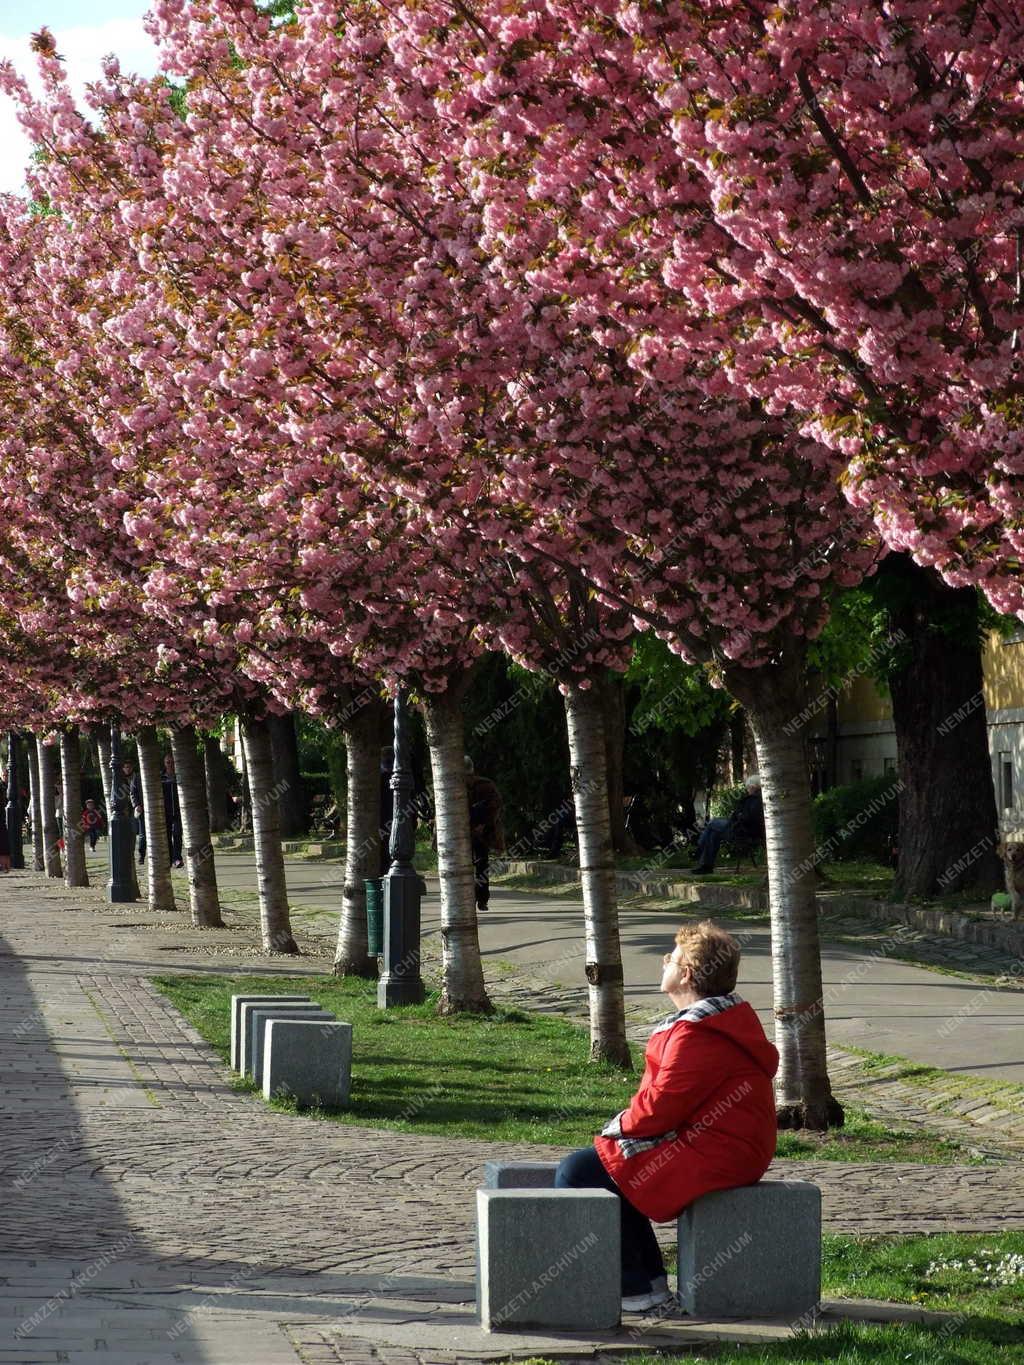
172, 810
92, 823
133, 781
485, 828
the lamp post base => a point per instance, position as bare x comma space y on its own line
400, 982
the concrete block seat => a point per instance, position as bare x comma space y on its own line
749, 1252
308, 1060
237, 1001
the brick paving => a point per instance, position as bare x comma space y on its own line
152, 1214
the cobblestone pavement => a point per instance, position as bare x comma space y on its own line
149, 1213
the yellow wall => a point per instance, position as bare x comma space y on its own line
1004, 674
861, 702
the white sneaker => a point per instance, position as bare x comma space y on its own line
658, 1294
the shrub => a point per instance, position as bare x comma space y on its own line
858, 819
724, 800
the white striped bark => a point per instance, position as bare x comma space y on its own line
587, 752
32, 756
275, 918
462, 976
158, 854
200, 869
71, 781
362, 839
776, 698
102, 737
48, 759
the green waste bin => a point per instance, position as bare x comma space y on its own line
375, 915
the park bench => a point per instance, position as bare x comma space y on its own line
550, 1258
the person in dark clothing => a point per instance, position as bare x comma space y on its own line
485, 829
5, 846
134, 784
746, 824
172, 810
92, 822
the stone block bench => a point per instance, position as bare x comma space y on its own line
308, 1060
254, 1014
548, 1259
750, 1252
237, 1001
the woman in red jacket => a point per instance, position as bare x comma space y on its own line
703, 1118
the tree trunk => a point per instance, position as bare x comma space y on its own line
215, 764
613, 702
948, 823
462, 975
775, 697
584, 718
71, 781
245, 802
275, 919
158, 853
362, 838
48, 760
32, 755
101, 738
291, 794
204, 902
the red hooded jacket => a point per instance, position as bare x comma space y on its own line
707, 1098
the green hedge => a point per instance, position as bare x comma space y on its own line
859, 819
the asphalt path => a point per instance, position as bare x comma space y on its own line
873, 1000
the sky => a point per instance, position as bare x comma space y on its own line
86, 30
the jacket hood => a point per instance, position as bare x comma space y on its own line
742, 1026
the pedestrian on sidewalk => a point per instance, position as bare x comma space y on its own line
5, 846
703, 1118
172, 810
485, 829
92, 823
134, 782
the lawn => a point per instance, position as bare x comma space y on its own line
511, 1077
977, 1279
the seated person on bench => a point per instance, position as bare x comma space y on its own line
703, 1118
745, 825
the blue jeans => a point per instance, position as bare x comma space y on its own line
641, 1256
710, 842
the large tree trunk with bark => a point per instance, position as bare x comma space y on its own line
71, 781
49, 758
613, 702
275, 917
776, 700
215, 765
32, 756
587, 751
160, 891
101, 738
204, 902
462, 976
948, 823
362, 838
291, 794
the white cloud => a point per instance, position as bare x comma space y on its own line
83, 49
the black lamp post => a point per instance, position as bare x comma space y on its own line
14, 802
400, 982
121, 887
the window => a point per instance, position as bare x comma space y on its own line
1006, 781
857, 770
889, 766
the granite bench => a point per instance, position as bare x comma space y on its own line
749, 1252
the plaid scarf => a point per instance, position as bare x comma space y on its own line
711, 1004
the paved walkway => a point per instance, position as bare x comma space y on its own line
151, 1214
